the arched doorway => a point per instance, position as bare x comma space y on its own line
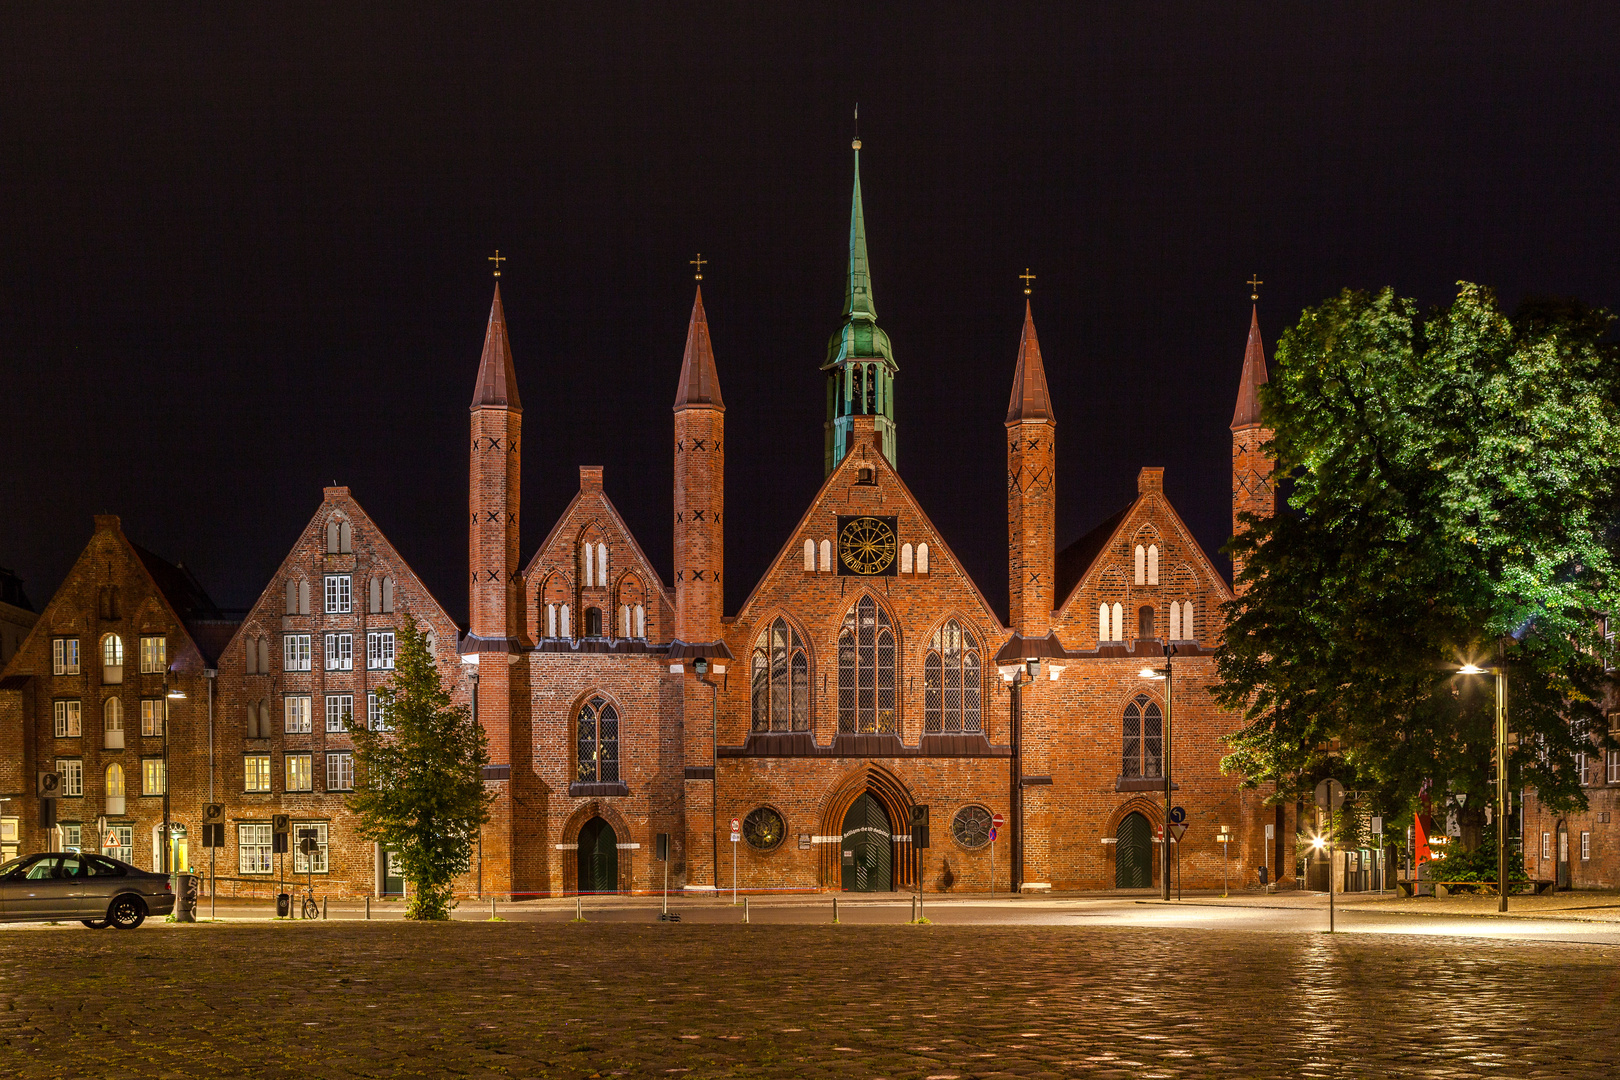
1133, 853
598, 857
1562, 877
868, 847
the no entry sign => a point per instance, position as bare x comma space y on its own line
997, 820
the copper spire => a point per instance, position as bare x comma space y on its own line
699, 384
497, 379
1030, 401
1247, 413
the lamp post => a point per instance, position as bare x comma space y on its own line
174, 693
472, 683
1023, 675
1500, 671
1318, 843
700, 667
1166, 673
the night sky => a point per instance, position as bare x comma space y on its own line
244, 254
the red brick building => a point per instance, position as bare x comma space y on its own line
865, 674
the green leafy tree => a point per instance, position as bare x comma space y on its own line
1453, 487
419, 785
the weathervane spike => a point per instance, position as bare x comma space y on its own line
497, 259
856, 142
1027, 277
1254, 286
698, 262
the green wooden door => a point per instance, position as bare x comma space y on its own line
1133, 853
598, 857
868, 848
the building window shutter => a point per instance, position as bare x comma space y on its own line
641, 621
252, 657
331, 537
303, 597
292, 597
601, 565
565, 632
375, 605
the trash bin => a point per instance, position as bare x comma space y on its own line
283, 905
186, 887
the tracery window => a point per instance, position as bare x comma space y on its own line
1143, 757
598, 741
866, 675
951, 682
971, 827
763, 828
781, 674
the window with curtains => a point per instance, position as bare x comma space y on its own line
781, 680
951, 682
1143, 757
597, 738
866, 670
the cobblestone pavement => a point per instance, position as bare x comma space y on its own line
389, 999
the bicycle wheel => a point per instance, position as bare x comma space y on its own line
312, 910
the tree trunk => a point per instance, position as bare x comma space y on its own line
1472, 822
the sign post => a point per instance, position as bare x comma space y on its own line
1330, 797
1225, 840
736, 835
996, 822
1378, 831
663, 857
1178, 829
213, 840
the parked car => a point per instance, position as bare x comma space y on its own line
94, 889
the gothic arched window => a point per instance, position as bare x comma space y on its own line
866, 675
781, 677
597, 738
1143, 757
951, 682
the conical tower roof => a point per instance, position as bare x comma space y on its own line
1030, 400
700, 384
860, 337
1247, 413
497, 378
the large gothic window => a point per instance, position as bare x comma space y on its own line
866, 675
1144, 740
951, 682
781, 680
598, 741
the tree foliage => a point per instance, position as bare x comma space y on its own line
419, 783
1454, 485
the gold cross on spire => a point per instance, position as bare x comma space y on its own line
1254, 286
698, 262
497, 259
1026, 277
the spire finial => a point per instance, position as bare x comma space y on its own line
856, 142
698, 262
497, 259
1027, 277
1254, 286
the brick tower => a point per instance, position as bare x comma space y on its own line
1251, 468
700, 421
1031, 495
492, 558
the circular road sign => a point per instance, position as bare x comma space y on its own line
997, 820
1177, 815
735, 825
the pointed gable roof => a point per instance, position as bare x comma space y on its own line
700, 383
1030, 400
1247, 413
497, 378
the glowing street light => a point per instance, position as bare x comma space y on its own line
1500, 671
1166, 673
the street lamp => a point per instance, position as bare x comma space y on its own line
1500, 671
1166, 673
1021, 676
170, 693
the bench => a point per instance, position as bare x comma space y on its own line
1407, 887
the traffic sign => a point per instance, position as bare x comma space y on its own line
1177, 815
1178, 830
1378, 824
280, 824
110, 841
1330, 791
992, 834
735, 825
50, 785
214, 812
1225, 838
736, 836
997, 820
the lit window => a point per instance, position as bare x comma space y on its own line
597, 739
380, 650
112, 719
339, 595
112, 659
866, 670
67, 719
295, 710
72, 772
951, 682
338, 708
1143, 757
65, 656
256, 773
339, 770
254, 846
300, 773
152, 776
154, 655
339, 652
309, 864
295, 652
152, 717
115, 781
781, 680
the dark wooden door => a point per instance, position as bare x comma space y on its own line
598, 857
1133, 853
868, 850
1563, 856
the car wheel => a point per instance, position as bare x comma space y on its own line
95, 924
126, 913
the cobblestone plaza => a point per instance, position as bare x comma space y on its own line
599, 999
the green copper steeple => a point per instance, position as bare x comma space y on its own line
860, 365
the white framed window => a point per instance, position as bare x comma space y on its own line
112, 659
65, 656
154, 654
380, 650
339, 770
256, 773
72, 772
125, 835
339, 652
300, 772
72, 837
254, 846
337, 707
295, 652
151, 716
1586, 847
115, 781
374, 713
1546, 845
154, 778
1614, 766
1563, 846
339, 594
1583, 765
309, 864
295, 710
68, 719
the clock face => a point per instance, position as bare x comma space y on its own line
866, 546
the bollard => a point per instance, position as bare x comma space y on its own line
579, 910
913, 909
745, 909
368, 907
835, 909
323, 909
492, 909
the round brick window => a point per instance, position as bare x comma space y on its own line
763, 828
971, 827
